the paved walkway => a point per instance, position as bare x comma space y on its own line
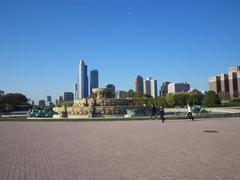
176, 150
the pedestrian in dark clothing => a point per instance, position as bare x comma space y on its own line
162, 113
153, 111
190, 116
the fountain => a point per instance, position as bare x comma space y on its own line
102, 103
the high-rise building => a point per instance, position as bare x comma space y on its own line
94, 81
228, 83
147, 86
139, 84
150, 87
76, 95
164, 89
49, 99
234, 81
60, 99
178, 87
215, 84
224, 83
68, 96
154, 91
82, 81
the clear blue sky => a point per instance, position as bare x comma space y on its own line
42, 42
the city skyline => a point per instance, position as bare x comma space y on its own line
42, 42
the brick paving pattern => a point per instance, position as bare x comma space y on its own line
134, 150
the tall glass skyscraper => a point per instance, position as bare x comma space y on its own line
82, 81
94, 79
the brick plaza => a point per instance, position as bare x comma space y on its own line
134, 150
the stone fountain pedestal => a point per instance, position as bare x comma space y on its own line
102, 103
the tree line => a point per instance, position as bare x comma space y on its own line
209, 99
13, 102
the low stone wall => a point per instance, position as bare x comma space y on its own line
213, 110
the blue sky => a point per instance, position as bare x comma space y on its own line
42, 42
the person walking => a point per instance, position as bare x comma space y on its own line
190, 116
162, 113
153, 111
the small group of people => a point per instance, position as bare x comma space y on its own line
162, 113
154, 112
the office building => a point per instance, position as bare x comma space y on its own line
76, 95
215, 83
94, 80
228, 83
153, 85
164, 89
82, 84
150, 87
147, 86
49, 99
139, 84
60, 99
178, 87
68, 96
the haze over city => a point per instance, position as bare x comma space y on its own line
41, 43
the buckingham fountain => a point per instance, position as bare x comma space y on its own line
102, 103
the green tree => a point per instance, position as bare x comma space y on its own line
196, 98
211, 99
170, 100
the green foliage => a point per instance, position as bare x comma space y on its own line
211, 99
9, 102
195, 98
65, 103
170, 99
224, 96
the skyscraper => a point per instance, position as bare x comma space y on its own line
215, 84
153, 85
178, 87
82, 81
76, 95
67, 96
164, 89
94, 81
139, 84
49, 99
147, 87
234, 81
150, 87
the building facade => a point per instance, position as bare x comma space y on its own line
82, 84
178, 87
227, 83
164, 89
68, 96
150, 87
139, 84
94, 80
49, 99
147, 86
215, 83
154, 90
